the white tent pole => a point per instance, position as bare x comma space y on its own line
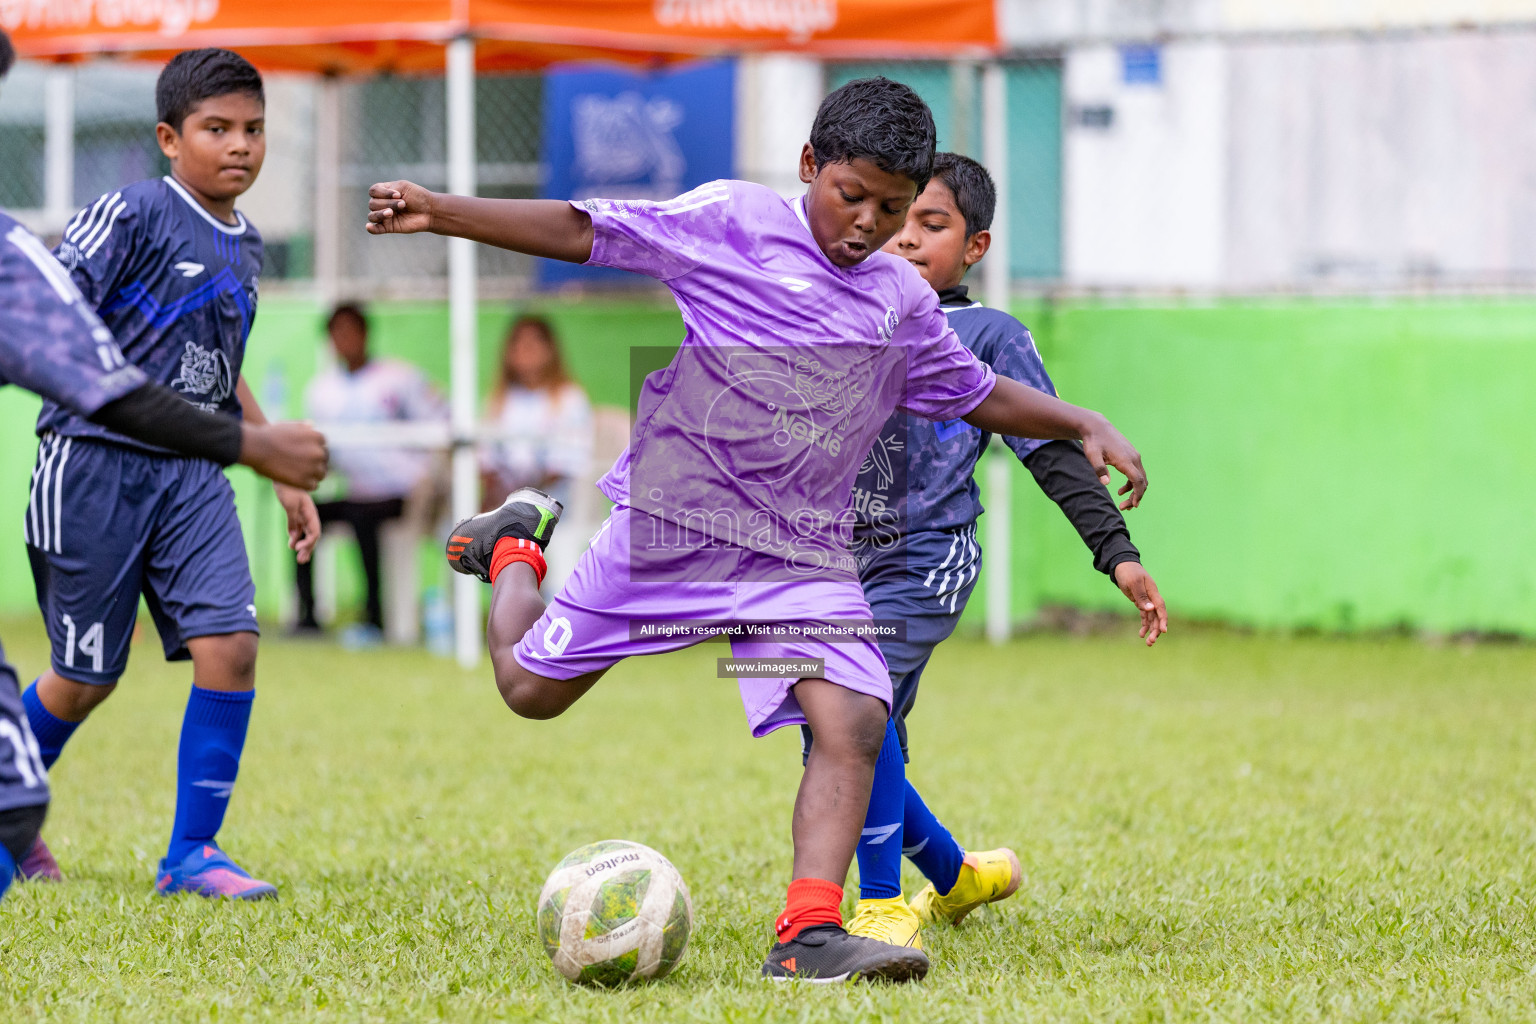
328, 190
995, 285
468, 637
994, 150
58, 148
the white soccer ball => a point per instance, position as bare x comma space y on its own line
614, 912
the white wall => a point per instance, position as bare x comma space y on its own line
1056, 22
1052, 22
1145, 198
1387, 161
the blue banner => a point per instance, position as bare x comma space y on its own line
619, 134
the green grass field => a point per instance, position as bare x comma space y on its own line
1225, 828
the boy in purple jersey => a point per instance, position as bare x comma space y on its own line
734, 494
915, 543
52, 344
171, 267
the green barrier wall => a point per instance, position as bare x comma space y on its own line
1330, 465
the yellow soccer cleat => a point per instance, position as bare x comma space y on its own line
889, 920
985, 877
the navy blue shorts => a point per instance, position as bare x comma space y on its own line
925, 581
105, 524
23, 781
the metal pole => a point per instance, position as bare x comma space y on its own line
962, 101
999, 544
994, 149
468, 637
58, 148
995, 286
328, 191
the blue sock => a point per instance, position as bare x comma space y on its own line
880, 845
7, 869
212, 736
51, 732
929, 844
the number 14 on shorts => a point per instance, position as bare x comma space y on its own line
91, 643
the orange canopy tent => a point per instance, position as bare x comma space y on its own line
410, 35
460, 37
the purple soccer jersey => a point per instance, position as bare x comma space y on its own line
790, 365
51, 341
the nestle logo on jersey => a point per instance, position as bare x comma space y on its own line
800, 427
871, 503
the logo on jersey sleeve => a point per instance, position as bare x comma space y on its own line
188, 269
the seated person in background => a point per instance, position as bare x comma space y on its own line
376, 479
542, 419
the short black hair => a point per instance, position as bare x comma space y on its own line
7, 54
352, 309
196, 75
878, 120
974, 192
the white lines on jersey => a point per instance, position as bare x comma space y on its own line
794, 284
88, 235
188, 268
44, 526
53, 272
705, 195
86, 220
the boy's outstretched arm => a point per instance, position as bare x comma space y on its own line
1021, 411
1064, 475
539, 227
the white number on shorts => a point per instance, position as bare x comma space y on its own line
558, 636
92, 643
28, 759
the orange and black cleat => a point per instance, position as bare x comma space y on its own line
528, 514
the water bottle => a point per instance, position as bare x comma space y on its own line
437, 622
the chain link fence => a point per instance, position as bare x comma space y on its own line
1033, 90
396, 127
22, 139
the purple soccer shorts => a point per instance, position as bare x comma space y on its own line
603, 615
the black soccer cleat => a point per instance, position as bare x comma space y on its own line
527, 513
825, 953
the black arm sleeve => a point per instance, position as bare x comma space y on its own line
1067, 478
159, 416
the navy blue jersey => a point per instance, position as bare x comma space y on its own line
51, 342
920, 475
176, 286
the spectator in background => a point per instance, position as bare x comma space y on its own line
543, 429
541, 418
376, 480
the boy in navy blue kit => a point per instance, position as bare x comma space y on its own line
915, 543
51, 343
171, 268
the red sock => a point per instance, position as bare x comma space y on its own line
812, 901
515, 549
